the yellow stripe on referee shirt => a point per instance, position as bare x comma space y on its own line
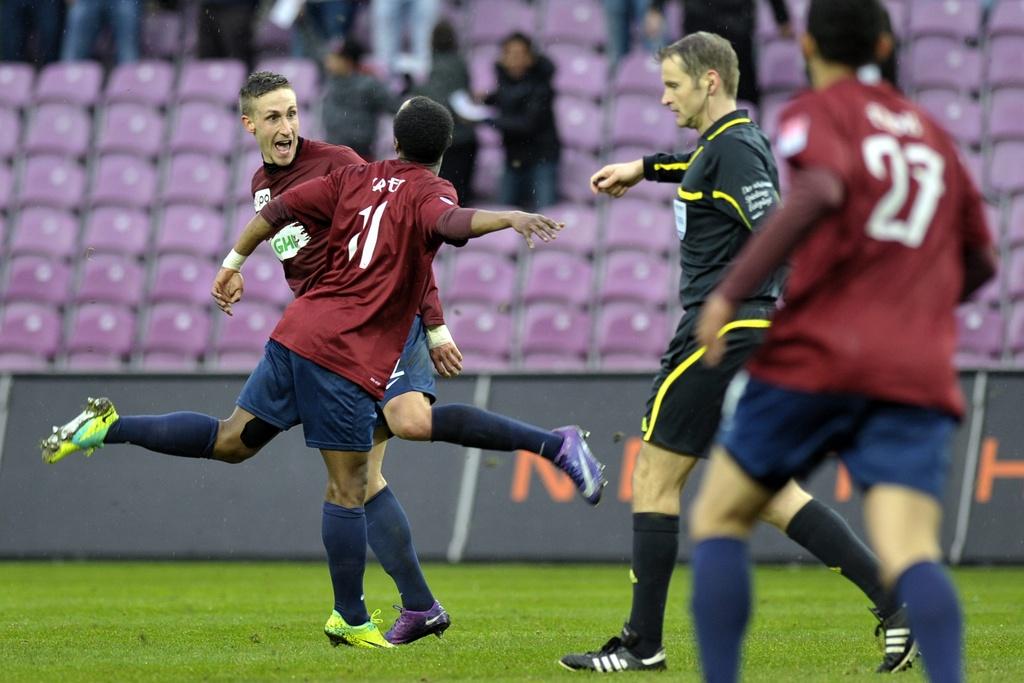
680, 165
751, 323
718, 194
730, 124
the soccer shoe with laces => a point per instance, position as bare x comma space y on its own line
575, 459
365, 635
615, 657
84, 433
898, 642
412, 625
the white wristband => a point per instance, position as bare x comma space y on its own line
233, 261
438, 336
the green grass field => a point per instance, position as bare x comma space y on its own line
97, 621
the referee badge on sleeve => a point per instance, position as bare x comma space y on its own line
680, 210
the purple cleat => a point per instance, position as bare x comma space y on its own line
411, 625
576, 460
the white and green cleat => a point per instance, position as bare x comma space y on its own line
365, 635
85, 432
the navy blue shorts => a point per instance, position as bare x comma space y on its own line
415, 370
776, 434
286, 389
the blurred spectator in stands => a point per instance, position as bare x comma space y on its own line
321, 23
735, 20
226, 29
625, 18
87, 18
393, 21
449, 74
31, 30
353, 99
526, 119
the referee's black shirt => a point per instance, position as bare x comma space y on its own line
727, 186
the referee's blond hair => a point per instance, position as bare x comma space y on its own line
702, 51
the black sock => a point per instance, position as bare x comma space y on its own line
829, 538
189, 435
478, 428
655, 550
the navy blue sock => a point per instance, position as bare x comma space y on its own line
344, 534
721, 605
387, 530
189, 435
477, 428
935, 619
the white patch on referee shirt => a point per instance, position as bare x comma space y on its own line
679, 207
793, 136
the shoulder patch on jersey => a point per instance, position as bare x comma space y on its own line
260, 199
447, 201
793, 135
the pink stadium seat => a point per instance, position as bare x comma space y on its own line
579, 123
124, 180
575, 170
70, 83
111, 278
960, 19
147, 83
781, 67
558, 277
1004, 62
184, 279
484, 336
481, 61
303, 74
580, 235
175, 337
16, 81
101, 335
52, 181
491, 20
505, 243
192, 230
634, 276
481, 277
31, 330
638, 73
555, 337
944, 63
579, 22
980, 332
640, 120
490, 165
1015, 275
131, 128
10, 143
1007, 18
959, 115
1005, 119
196, 178
1015, 223
211, 80
1015, 332
1005, 170
247, 330
204, 128
640, 225
631, 337
579, 71
38, 279
116, 229
45, 231
264, 280
58, 129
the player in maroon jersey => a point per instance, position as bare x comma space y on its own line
887, 235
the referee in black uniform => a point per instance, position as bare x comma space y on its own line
727, 186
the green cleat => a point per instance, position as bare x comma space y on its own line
366, 635
84, 433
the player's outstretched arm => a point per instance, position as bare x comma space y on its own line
616, 179
228, 283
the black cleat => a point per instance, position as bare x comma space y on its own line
616, 657
898, 642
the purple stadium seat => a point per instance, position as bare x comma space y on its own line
1015, 223
248, 329
972, 160
193, 230
1004, 62
629, 336
980, 331
558, 277
505, 243
303, 74
148, 83
111, 278
37, 278
481, 61
30, 329
575, 170
483, 277
944, 63
994, 216
116, 229
579, 71
10, 143
637, 224
638, 73
490, 165
555, 336
196, 178
1005, 170
264, 280
16, 81
635, 276
131, 128
641, 120
960, 116
58, 129
1015, 275
781, 67
52, 181
491, 20
1015, 332
211, 80
236, 361
100, 333
182, 278
45, 231
580, 233
1007, 18
70, 83
579, 123
484, 335
899, 16
124, 180
204, 128
958, 19
175, 337
580, 22
1005, 120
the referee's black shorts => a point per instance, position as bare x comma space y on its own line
685, 404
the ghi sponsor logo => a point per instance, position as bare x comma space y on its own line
289, 240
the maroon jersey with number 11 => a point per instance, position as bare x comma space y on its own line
869, 305
382, 239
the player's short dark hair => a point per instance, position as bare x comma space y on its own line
257, 85
443, 39
846, 31
702, 51
423, 130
